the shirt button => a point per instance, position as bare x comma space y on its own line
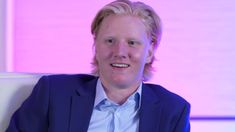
117, 114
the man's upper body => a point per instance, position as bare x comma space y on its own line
61, 103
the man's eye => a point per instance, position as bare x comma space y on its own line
109, 41
131, 42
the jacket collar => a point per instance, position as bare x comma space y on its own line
82, 103
150, 111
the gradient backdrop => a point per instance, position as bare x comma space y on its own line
196, 57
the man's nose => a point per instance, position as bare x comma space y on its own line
120, 50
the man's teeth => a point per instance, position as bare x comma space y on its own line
120, 65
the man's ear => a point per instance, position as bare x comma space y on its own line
94, 48
150, 53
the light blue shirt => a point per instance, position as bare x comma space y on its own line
108, 116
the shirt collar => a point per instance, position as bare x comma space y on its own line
101, 95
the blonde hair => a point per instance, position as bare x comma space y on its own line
146, 13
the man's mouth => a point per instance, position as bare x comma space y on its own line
120, 65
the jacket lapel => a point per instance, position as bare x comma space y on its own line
150, 111
82, 106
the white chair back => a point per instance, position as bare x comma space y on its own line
14, 89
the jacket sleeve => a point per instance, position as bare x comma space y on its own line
183, 123
32, 116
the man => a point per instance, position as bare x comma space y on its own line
126, 35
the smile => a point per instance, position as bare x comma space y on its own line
120, 65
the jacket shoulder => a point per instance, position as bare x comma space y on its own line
174, 109
165, 95
67, 83
77, 76
82, 78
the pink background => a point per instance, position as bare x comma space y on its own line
195, 57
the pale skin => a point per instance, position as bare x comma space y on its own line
122, 48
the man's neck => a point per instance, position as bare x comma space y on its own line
119, 94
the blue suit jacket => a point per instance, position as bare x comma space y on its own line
64, 103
